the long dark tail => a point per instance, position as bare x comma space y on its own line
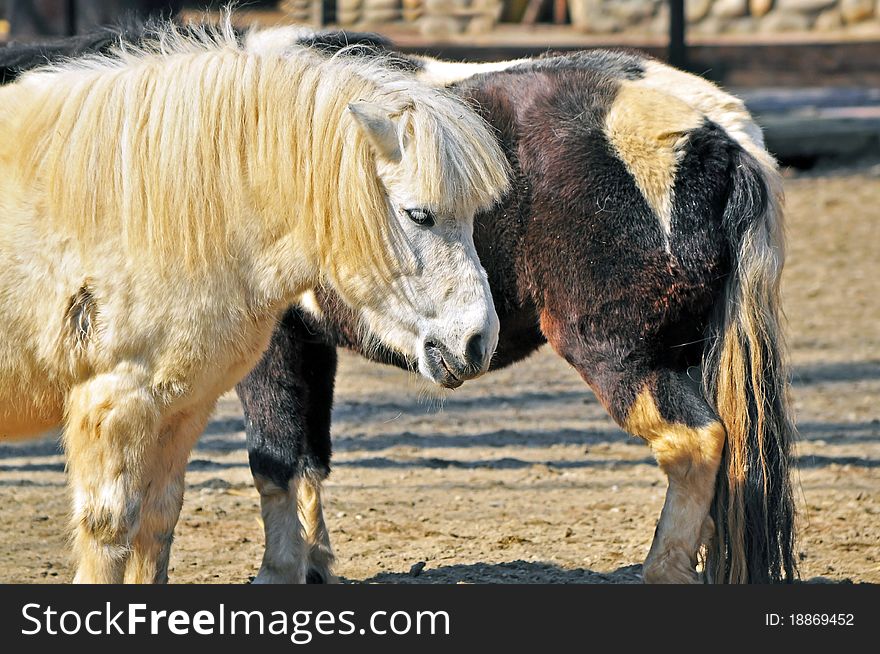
746, 380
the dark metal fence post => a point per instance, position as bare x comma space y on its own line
71, 16
677, 47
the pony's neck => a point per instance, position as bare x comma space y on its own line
275, 268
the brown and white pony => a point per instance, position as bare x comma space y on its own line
643, 240
162, 205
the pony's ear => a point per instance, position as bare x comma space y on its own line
379, 128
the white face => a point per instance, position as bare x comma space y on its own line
441, 312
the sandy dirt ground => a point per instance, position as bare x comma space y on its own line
522, 477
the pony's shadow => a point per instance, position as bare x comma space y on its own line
510, 572
529, 572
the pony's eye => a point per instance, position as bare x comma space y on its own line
422, 217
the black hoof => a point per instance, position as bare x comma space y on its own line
315, 577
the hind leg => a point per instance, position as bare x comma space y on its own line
287, 400
163, 498
687, 441
667, 410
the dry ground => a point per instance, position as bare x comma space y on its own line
522, 476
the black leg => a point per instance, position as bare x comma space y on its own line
287, 400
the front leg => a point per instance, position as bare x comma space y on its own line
287, 399
284, 557
317, 539
111, 430
163, 499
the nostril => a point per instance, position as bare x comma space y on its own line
474, 350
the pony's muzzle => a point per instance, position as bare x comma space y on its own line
440, 364
449, 370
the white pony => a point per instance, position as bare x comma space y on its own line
160, 207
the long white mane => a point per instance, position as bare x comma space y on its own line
175, 142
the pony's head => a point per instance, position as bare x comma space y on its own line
414, 167
436, 164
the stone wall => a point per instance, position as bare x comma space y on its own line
434, 18
706, 17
